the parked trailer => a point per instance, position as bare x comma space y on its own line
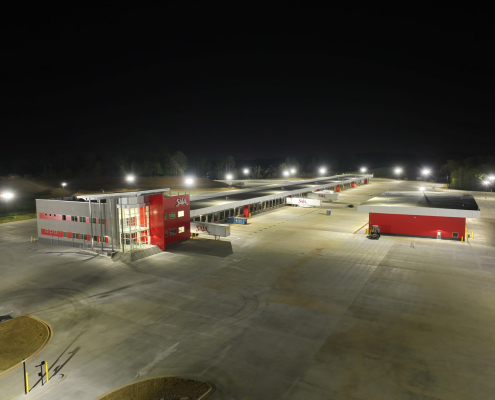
220, 230
237, 220
324, 195
301, 202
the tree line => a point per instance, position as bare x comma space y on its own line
470, 173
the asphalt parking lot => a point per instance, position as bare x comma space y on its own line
295, 305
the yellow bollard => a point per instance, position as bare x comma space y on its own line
472, 235
462, 238
31, 239
46, 370
366, 231
249, 215
27, 383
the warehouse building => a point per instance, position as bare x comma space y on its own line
427, 214
115, 221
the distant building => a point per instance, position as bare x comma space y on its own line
115, 221
429, 214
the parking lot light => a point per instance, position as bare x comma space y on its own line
130, 178
7, 195
363, 170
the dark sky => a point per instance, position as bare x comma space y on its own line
273, 81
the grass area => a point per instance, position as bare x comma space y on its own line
157, 388
16, 217
20, 338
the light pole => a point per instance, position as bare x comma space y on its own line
189, 183
486, 183
229, 178
397, 171
426, 172
363, 170
246, 171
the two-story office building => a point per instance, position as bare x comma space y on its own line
115, 221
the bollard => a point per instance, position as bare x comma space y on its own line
366, 231
462, 238
472, 235
26, 380
31, 239
46, 370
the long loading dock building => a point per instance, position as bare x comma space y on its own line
214, 207
130, 221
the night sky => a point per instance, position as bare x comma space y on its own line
252, 83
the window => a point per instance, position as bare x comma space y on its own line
82, 236
73, 218
82, 219
103, 221
95, 238
50, 215
46, 215
173, 232
64, 217
65, 234
51, 231
172, 215
74, 235
165, 216
180, 214
93, 220
166, 233
181, 229
455, 234
54, 215
55, 232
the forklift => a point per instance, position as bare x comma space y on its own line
374, 232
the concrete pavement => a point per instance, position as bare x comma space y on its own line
294, 305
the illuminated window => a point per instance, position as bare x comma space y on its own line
180, 214
181, 229
172, 215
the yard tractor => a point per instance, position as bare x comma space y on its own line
374, 232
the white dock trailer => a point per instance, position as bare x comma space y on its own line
324, 195
206, 228
303, 202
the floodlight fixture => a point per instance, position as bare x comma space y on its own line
426, 171
363, 170
286, 173
130, 178
189, 181
7, 195
246, 171
323, 170
398, 171
491, 177
422, 188
228, 177
292, 171
64, 184
486, 182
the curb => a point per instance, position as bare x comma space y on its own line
47, 340
202, 397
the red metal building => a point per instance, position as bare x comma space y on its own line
428, 214
169, 219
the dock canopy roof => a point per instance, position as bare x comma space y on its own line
439, 204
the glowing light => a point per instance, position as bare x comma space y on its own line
363, 169
422, 188
64, 184
246, 171
426, 172
323, 171
286, 173
7, 195
292, 171
398, 171
228, 177
130, 178
486, 182
189, 181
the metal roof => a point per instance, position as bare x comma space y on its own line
122, 194
440, 204
219, 201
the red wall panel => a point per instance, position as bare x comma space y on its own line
246, 211
175, 204
157, 231
418, 225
